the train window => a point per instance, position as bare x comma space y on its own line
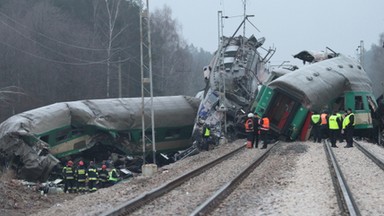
359, 105
45, 138
172, 134
63, 135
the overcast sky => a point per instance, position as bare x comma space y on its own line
289, 25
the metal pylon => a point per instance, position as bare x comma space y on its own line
147, 112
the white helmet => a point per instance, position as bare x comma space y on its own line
250, 115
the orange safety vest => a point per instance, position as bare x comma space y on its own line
265, 125
249, 125
323, 117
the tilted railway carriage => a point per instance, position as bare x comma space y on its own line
35, 139
337, 83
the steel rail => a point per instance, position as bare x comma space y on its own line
345, 199
211, 203
371, 156
135, 203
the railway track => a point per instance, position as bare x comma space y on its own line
185, 185
355, 191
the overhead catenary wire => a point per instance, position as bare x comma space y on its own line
80, 61
55, 40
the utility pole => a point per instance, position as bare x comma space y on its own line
119, 78
147, 112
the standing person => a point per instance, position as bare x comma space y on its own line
348, 127
315, 121
93, 176
69, 178
264, 129
206, 137
103, 176
334, 124
81, 175
323, 125
249, 130
256, 133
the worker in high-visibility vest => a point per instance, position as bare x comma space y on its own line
264, 129
324, 125
315, 122
334, 124
206, 137
348, 127
113, 176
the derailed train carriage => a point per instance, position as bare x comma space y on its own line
231, 86
333, 84
33, 142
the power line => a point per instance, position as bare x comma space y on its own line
52, 39
51, 60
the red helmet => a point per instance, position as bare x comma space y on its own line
104, 167
69, 163
81, 163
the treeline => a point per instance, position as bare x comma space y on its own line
65, 50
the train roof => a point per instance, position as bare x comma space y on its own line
318, 83
109, 114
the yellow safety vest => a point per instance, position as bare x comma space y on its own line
315, 118
346, 121
207, 132
333, 122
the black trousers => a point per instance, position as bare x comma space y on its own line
255, 141
316, 133
264, 137
333, 136
349, 136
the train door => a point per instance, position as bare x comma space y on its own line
281, 112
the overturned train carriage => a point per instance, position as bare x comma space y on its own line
334, 84
33, 141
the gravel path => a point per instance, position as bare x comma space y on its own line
364, 178
294, 180
195, 191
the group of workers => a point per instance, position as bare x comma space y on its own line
337, 126
256, 128
87, 179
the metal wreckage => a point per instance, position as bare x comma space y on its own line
34, 142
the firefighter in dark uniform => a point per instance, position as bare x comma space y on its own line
249, 130
348, 127
103, 176
264, 129
315, 121
93, 177
334, 124
81, 176
69, 178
